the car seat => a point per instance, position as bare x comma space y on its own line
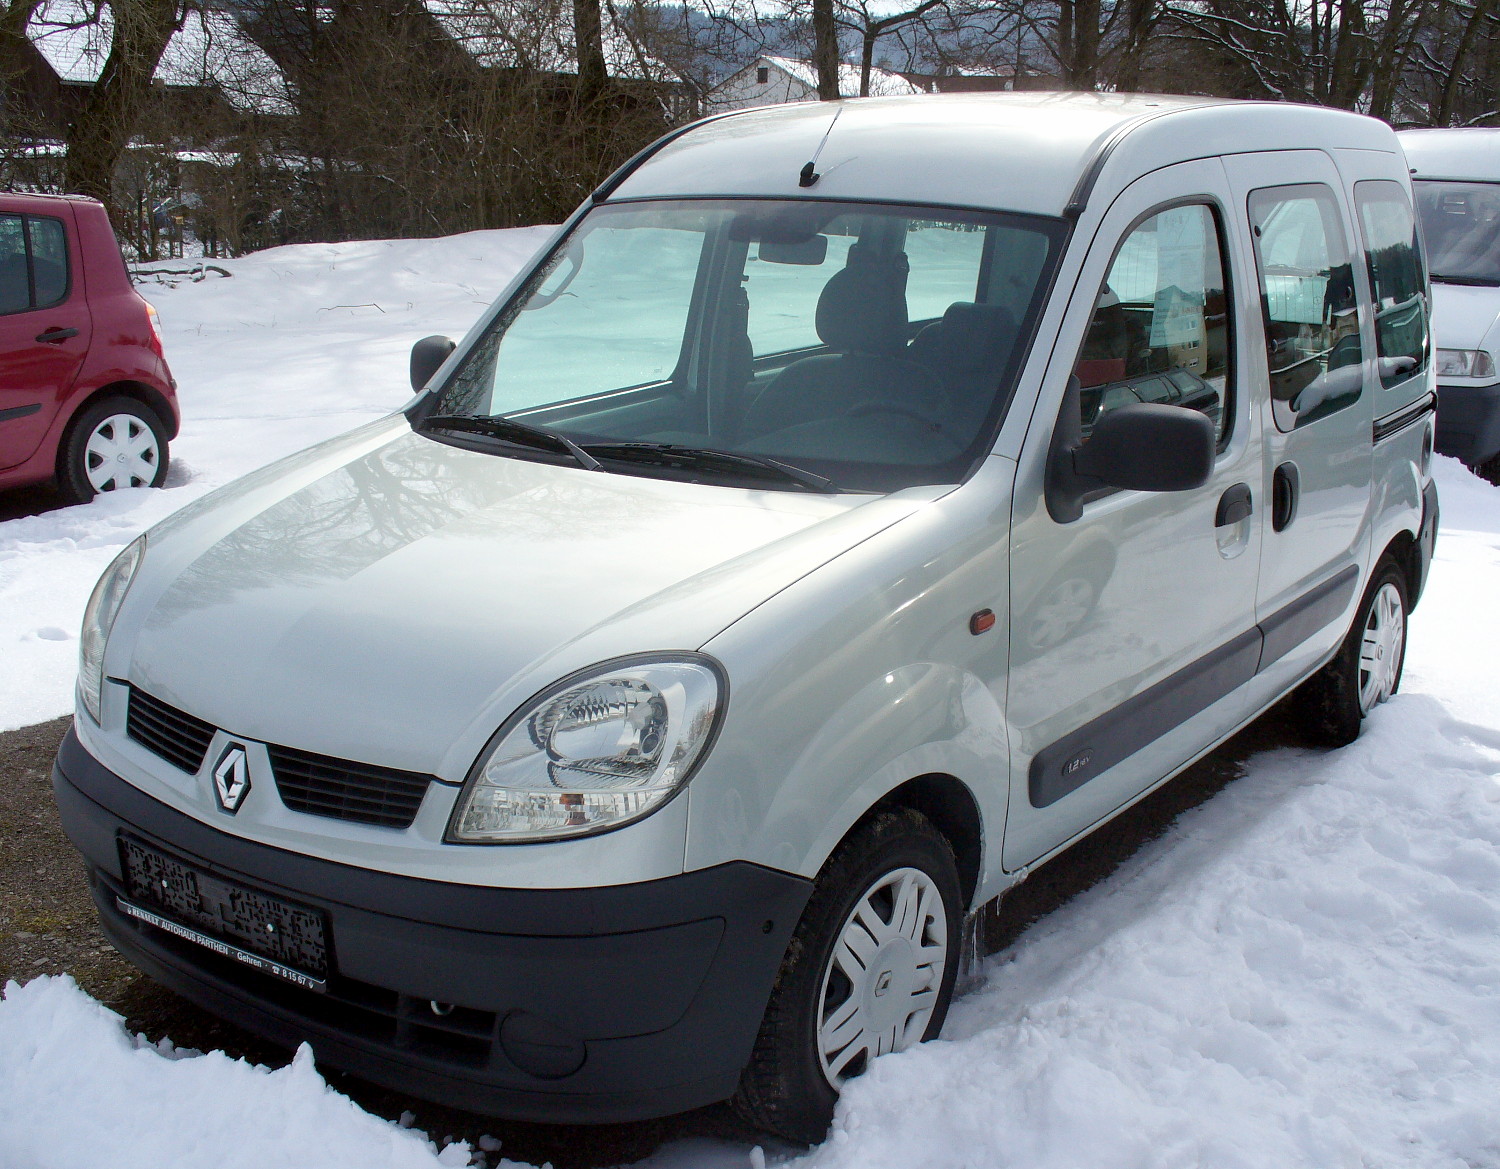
861, 315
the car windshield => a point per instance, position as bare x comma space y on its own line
1461, 227
799, 344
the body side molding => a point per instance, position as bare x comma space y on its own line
1114, 736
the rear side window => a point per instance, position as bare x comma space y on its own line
1160, 330
33, 263
49, 260
1307, 296
15, 284
1394, 259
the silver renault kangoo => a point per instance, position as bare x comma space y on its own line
854, 505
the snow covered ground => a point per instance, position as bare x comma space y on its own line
1303, 972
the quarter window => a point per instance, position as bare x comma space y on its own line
1307, 298
1394, 259
1160, 330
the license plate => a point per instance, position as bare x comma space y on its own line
247, 924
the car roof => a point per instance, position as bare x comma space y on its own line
1028, 152
1453, 154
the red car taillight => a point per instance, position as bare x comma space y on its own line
155, 330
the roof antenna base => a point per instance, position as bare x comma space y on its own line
808, 176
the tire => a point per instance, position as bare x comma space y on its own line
114, 442
897, 861
1367, 668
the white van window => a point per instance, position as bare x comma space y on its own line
1461, 227
610, 313
1307, 296
1160, 330
1393, 257
726, 340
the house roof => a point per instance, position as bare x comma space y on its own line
497, 39
883, 83
209, 50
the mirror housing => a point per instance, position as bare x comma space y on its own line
427, 355
1142, 447
810, 252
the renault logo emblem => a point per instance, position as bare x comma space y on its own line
232, 778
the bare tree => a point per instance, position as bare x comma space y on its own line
97, 138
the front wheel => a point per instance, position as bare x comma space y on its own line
1367, 669
870, 970
114, 442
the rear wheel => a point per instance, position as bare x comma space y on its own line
1367, 669
870, 970
114, 442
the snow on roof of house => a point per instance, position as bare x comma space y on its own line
883, 83
209, 50
503, 39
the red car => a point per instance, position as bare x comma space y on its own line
85, 393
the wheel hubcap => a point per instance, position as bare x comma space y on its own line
121, 452
882, 981
1380, 652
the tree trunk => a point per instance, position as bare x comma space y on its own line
96, 141
1449, 99
825, 50
588, 39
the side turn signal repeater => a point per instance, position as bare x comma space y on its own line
982, 622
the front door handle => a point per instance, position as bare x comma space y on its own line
55, 336
1234, 505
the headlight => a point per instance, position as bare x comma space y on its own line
97, 619
599, 750
1465, 363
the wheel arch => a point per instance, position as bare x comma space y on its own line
147, 395
1405, 551
951, 807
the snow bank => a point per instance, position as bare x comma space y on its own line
79, 1092
298, 344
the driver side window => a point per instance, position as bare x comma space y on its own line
1161, 330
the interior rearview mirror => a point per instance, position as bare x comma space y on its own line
426, 356
810, 252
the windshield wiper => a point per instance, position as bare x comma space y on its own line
509, 430
1467, 281
665, 454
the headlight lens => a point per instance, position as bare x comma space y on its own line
1465, 363
596, 752
98, 617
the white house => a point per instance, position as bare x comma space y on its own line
773, 80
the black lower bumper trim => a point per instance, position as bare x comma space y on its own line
572, 1006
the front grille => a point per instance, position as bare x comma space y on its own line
319, 785
179, 738
342, 790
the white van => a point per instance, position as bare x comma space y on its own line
853, 506
1455, 175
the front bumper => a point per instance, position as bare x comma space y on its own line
1468, 422
576, 1006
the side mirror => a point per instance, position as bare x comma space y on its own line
1144, 447
426, 356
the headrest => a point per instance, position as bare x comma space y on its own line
862, 308
968, 339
